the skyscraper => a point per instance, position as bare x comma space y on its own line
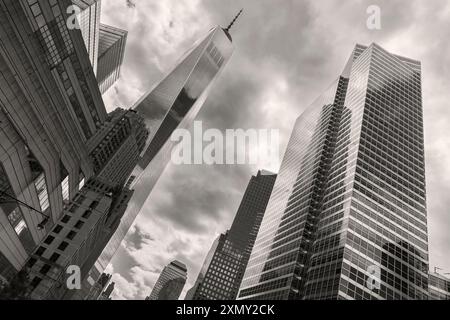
71, 242
223, 269
170, 282
347, 217
51, 107
89, 23
439, 286
173, 103
111, 52
106, 295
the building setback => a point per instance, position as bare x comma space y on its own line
170, 283
223, 269
111, 53
349, 203
89, 23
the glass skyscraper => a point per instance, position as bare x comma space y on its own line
110, 57
173, 103
439, 286
89, 23
223, 269
347, 217
51, 107
170, 283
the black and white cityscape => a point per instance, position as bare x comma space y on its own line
204, 150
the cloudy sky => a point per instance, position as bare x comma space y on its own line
287, 52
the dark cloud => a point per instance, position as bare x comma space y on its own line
138, 238
202, 196
287, 53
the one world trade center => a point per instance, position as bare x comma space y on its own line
172, 104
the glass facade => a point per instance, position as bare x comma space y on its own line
350, 195
439, 287
173, 103
223, 269
111, 53
89, 22
170, 282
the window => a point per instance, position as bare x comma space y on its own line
63, 246
79, 224
71, 235
82, 180
94, 204
87, 214
45, 269
40, 251
65, 188
65, 219
35, 282
31, 262
49, 240
41, 189
54, 257
57, 229
74, 207
20, 227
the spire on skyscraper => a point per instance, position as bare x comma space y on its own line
227, 29
234, 20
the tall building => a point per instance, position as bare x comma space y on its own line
89, 23
105, 44
94, 292
116, 147
106, 295
173, 103
347, 217
51, 107
170, 283
439, 287
223, 269
71, 242
110, 57
192, 292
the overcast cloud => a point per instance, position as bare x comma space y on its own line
287, 53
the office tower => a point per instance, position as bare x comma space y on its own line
347, 216
172, 104
110, 57
93, 292
438, 286
170, 282
106, 295
89, 23
116, 147
70, 242
51, 107
223, 269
